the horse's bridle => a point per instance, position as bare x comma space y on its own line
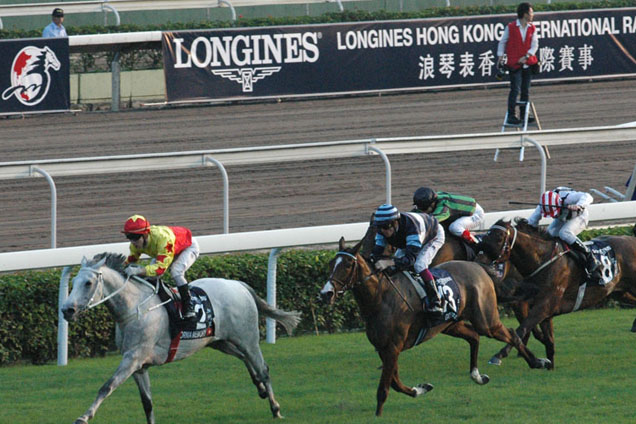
506, 249
345, 285
350, 277
100, 284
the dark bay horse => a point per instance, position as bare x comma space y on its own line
556, 276
143, 334
394, 316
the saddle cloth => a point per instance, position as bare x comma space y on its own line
201, 326
449, 292
605, 255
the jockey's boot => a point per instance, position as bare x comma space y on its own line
187, 308
469, 238
591, 264
434, 301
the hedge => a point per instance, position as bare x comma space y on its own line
28, 302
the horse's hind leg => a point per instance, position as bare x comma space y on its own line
254, 358
510, 337
230, 348
466, 332
143, 382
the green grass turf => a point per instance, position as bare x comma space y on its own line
333, 379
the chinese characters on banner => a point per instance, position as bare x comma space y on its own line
392, 55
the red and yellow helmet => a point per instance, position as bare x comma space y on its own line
137, 224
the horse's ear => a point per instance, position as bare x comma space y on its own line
371, 218
341, 243
100, 263
84, 261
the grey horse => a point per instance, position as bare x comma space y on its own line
142, 326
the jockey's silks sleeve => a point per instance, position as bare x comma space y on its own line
164, 243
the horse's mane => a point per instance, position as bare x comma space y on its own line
113, 260
523, 226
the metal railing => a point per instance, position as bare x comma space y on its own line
116, 6
307, 151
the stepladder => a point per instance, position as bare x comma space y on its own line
529, 117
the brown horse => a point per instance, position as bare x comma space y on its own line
556, 275
395, 318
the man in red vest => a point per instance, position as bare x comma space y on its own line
520, 43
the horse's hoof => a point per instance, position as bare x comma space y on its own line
80, 421
278, 415
484, 379
545, 364
494, 361
423, 388
634, 328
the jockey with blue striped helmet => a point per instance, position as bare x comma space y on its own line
569, 210
418, 237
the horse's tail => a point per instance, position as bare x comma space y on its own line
289, 320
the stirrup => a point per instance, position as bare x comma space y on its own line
188, 313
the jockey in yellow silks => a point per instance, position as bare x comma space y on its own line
170, 247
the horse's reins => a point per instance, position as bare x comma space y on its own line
365, 279
100, 282
505, 249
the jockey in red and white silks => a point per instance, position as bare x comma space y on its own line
569, 208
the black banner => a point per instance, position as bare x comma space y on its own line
338, 58
34, 75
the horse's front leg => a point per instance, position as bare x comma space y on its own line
128, 365
143, 382
416, 391
548, 340
389, 357
467, 333
520, 310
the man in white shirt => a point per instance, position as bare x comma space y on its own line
55, 28
520, 44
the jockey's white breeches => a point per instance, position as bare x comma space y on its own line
183, 262
569, 229
467, 222
429, 250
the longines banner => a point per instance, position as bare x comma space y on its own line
34, 75
315, 59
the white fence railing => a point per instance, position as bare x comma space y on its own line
116, 6
262, 240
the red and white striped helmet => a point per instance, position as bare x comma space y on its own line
551, 204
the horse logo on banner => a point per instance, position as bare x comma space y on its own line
30, 78
246, 76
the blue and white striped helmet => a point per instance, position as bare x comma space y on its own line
385, 213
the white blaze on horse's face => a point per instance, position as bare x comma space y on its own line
328, 290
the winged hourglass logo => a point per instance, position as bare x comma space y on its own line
246, 76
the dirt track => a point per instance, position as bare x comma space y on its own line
91, 209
